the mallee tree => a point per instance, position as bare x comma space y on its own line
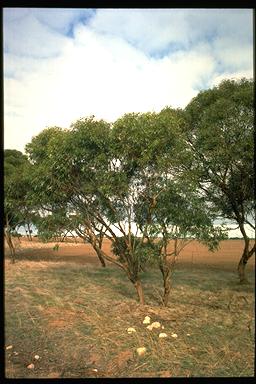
219, 128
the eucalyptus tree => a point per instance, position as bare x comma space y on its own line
219, 129
143, 143
168, 209
79, 176
52, 170
95, 175
18, 209
179, 217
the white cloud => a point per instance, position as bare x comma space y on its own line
59, 19
233, 56
149, 30
29, 37
152, 30
216, 80
109, 65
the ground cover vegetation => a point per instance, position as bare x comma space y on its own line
72, 320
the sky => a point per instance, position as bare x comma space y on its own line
64, 64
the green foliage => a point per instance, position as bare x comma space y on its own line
37, 148
219, 127
53, 225
170, 174
17, 187
147, 140
176, 212
144, 252
13, 160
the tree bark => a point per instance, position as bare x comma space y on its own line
165, 267
132, 277
140, 293
101, 258
244, 259
103, 264
246, 253
29, 233
167, 289
11, 246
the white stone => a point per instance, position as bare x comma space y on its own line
156, 324
31, 366
9, 347
146, 320
131, 330
174, 335
37, 357
141, 351
162, 335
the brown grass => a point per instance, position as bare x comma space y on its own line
75, 314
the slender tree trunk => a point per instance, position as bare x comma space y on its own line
247, 253
132, 277
138, 286
98, 251
7, 232
10, 245
167, 289
62, 239
29, 233
96, 244
166, 268
101, 259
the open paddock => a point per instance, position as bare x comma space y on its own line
73, 315
195, 253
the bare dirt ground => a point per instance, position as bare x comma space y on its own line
227, 256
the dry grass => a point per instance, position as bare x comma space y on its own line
75, 317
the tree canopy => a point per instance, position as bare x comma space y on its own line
143, 181
219, 128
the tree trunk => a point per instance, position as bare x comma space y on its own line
29, 233
246, 253
132, 276
140, 293
244, 259
166, 268
167, 289
103, 263
63, 237
10, 245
